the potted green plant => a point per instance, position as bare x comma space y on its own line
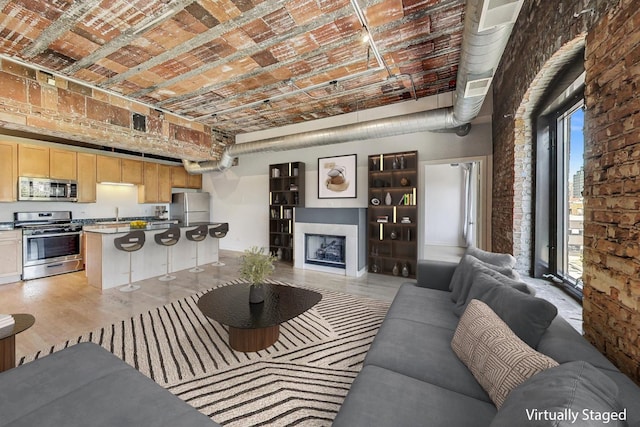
255, 267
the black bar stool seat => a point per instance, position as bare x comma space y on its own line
130, 242
168, 238
197, 235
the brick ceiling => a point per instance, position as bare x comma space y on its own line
243, 65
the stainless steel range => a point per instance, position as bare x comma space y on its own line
51, 243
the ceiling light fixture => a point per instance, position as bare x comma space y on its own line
372, 43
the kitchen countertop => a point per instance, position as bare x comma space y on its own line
109, 229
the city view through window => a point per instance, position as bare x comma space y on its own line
574, 207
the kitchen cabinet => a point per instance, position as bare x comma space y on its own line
157, 184
8, 171
132, 171
86, 173
164, 183
62, 164
107, 169
180, 178
194, 181
116, 169
11, 259
393, 213
33, 161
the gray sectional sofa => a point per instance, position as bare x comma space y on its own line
85, 385
412, 376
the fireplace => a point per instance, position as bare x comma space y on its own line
325, 249
331, 240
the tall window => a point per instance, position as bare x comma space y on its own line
559, 223
571, 140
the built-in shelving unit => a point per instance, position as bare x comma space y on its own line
286, 192
393, 213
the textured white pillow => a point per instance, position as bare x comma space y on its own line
496, 357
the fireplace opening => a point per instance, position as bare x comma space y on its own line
327, 250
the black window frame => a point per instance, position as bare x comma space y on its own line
565, 96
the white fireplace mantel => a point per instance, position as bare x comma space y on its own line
351, 247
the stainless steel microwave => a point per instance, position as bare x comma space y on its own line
45, 189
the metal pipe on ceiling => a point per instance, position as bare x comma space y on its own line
481, 53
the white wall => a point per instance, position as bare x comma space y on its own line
240, 195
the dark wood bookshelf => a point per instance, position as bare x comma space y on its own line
393, 213
286, 192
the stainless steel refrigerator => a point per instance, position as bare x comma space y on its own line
190, 208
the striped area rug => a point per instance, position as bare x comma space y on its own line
301, 380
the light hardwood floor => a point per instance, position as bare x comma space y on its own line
66, 307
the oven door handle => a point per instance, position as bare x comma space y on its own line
35, 236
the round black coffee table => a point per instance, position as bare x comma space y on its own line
254, 327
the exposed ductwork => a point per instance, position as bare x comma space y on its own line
481, 53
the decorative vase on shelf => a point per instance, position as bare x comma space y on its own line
396, 269
256, 294
405, 270
403, 162
387, 199
276, 241
394, 164
279, 254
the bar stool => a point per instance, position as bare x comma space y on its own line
218, 231
197, 235
130, 242
168, 238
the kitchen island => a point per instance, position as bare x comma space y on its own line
107, 267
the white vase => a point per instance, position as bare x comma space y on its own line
387, 199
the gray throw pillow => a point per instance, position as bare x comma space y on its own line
527, 316
564, 392
501, 260
483, 280
466, 270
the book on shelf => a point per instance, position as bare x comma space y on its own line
408, 199
6, 320
383, 218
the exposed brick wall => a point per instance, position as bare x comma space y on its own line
543, 29
73, 111
547, 36
612, 187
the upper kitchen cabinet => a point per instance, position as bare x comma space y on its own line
8, 171
116, 169
86, 173
39, 161
33, 161
132, 171
157, 184
107, 169
180, 178
62, 164
194, 181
